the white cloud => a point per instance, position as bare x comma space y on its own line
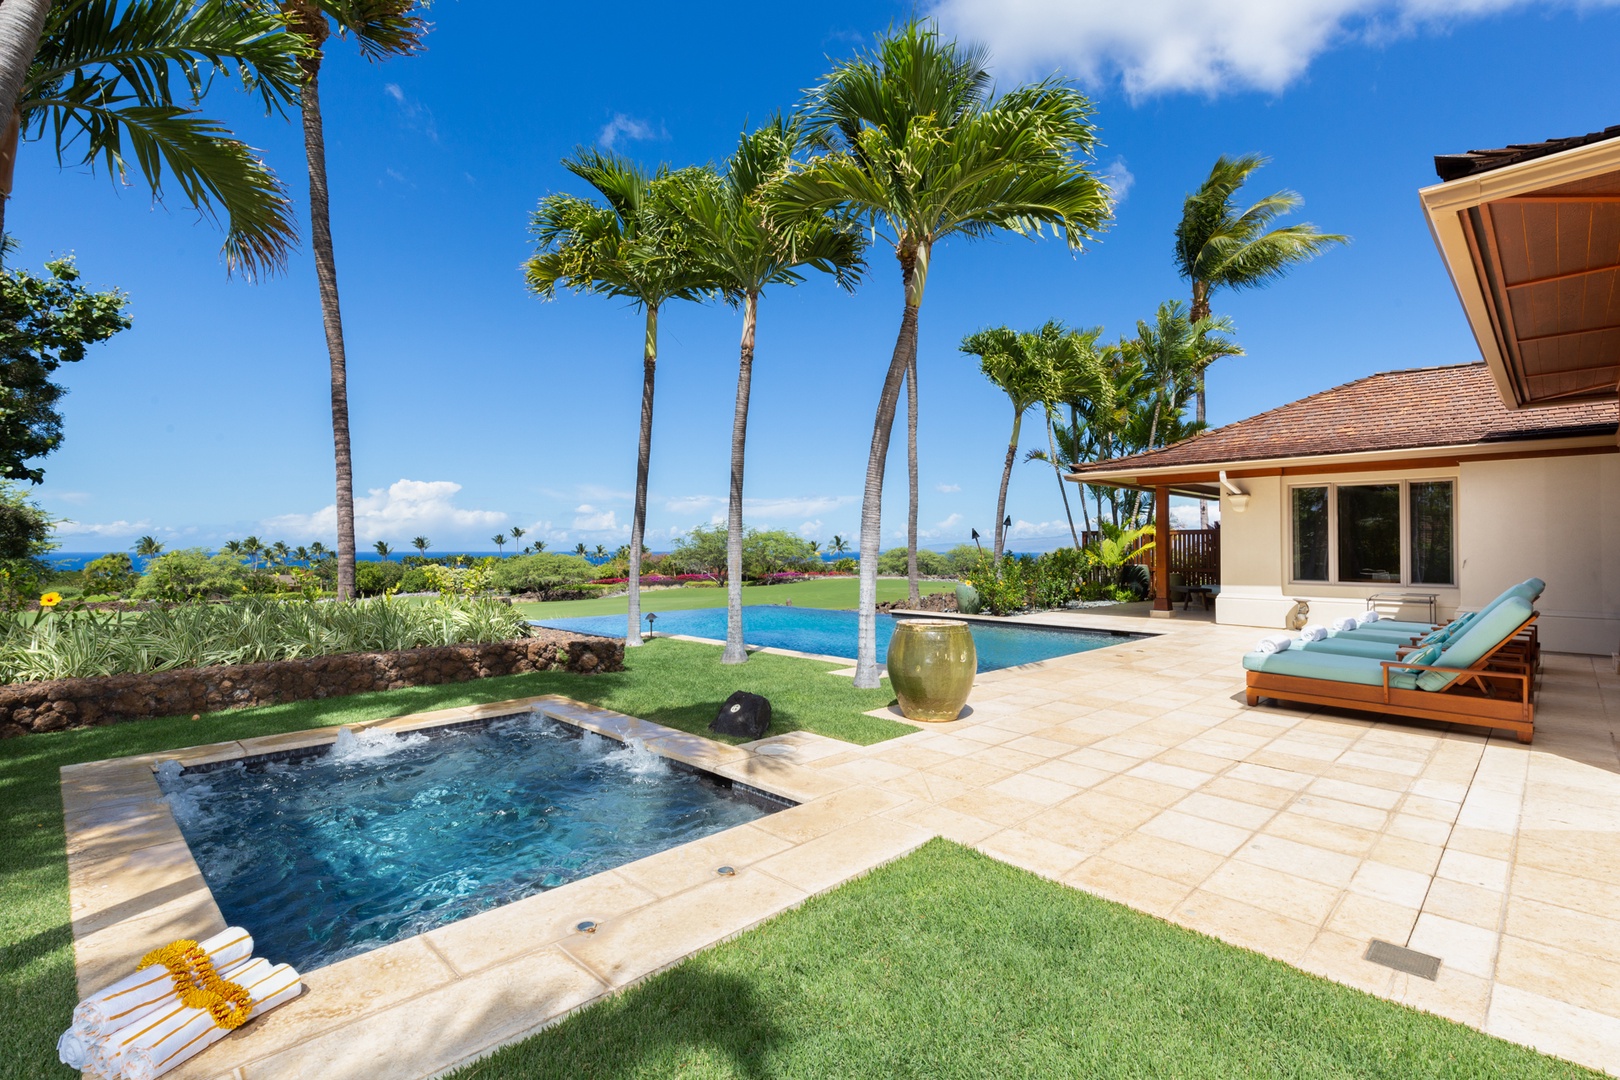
1207, 46
393, 91
103, 528
1037, 530
625, 126
947, 489
1119, 179
765, 511
588, 518
405, 508
1186, 517
810, 529
950, 528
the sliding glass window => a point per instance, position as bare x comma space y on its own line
1400, 533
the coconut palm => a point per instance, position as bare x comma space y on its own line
148, 547
1077, 374
921, 150
600, 552
253, 547
839, 545
538, 546
421, 544
499, 540
517, 532
1175, 352
579, 549
301, 554
628, 246
383, 548
746, 243
95, 80
1021, 364
382, 29
279, 552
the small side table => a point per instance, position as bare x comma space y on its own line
1404, 598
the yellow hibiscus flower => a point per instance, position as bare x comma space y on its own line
50, 600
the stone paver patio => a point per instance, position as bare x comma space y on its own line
1135, 772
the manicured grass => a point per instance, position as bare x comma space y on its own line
672, 682
839, 592
949, 964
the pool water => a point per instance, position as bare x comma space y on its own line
387, 836
833, 633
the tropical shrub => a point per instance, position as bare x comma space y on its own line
192, 574
1058, 577
25, 537
92, 643
110, 575
541, 573
415, 580
844, 566
459, 580
376, 578
962, 558
1003, 587
929, 563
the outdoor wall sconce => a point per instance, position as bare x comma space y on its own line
1236, 497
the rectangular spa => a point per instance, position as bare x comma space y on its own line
328, 852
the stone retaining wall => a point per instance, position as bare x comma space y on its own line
64, 703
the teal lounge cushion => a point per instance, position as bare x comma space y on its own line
1329, 667
1484, 634
1345, 645
1372, 633
1425, 655
1387, 625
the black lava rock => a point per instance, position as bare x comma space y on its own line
743, 714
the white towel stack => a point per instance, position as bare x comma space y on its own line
1274, 643
1346, 623
138, 1028
1313, 632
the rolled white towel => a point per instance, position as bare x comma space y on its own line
1313, 632
145, 991
1346, 623
1274, 643
106, 1056
75, 1048
165, 1046
1368, 616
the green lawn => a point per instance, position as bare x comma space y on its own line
672, 682
949, 964
839, 592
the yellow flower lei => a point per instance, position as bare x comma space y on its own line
199, 985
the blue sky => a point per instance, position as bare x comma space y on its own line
476, 407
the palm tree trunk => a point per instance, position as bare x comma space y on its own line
735, 653
1057, 471
1200, 310
8, 166
320, 227
21, 24
638, 517
914, 598
1006, 477
914, 276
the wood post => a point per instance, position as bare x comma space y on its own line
1161, 552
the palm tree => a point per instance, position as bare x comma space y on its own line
517, 533
232, 548
95, 78
1021, 365
252, 547
499, 540
600, 552
421, 544
746, 243
628, 248
382, 29
301, 554
539, 546
579, 549
921, 151
839, 545
383, 548
148, 547
1219, 246
280, 552
1077, 374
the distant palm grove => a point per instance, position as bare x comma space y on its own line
901, 146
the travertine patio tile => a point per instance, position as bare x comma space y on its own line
686, 866
1407, 854
1143, 790
1245, 925
1067, 772
1455, 995
1445, 790
106, 890
1434, 809
1367, 917
926, 786
838, 856
1385, 882
1325, 808
1104, 809
782, 777
1101, 760
1227, 811
1300, 860
970, 772
120, 827
1038, 855
1198, 832
1576, 931
450, 1024
1268, 776
1361, 794
1587, 981
1003, 757
1469, 949
1278, 891
1473, 870
1591, 855
1132, 747
1423, 830
1040, 747
1487, 843
951, 824
1491, 811
811, 820
108, 946
1342, 958
1002, 809
1163, 858
912, 757
1555, 1027
1264, 795
1317, 832
1582, 894
1465, 903
695, 750
1031, 788
868, 770
1128, 885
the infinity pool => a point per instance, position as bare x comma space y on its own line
384, 836
832, 633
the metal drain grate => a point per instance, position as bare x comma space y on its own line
1401, 958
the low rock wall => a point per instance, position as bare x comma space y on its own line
64, 703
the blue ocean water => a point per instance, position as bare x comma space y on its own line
388, 836
833, 633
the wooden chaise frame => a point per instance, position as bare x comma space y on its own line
1498, 691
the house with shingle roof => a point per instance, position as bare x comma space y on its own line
1432, 489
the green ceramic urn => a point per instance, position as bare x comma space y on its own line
931, 666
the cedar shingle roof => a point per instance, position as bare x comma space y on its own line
1457, 166
1396, 410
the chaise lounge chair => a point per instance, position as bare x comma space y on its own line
1474, 678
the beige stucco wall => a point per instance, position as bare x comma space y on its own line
1552, 518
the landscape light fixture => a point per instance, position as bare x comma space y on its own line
975, 533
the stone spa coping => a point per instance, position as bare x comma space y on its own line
427, 1004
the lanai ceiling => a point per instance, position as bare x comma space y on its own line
1531, 236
